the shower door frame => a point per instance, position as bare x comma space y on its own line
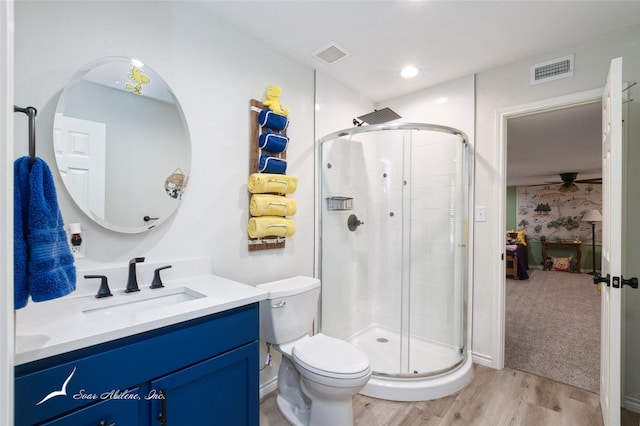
467, 187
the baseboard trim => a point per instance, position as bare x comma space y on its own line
483, 359
632, 404
268, 387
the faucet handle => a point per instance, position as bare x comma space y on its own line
132, 280
157, 281
104, 287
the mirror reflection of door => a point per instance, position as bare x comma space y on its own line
80, 154
117, 147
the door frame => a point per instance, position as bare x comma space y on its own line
502, 117
7, 337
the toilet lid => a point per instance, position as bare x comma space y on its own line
329, 356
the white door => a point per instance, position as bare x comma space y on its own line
610, 368
80, 151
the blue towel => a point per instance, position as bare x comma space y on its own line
50, 272
269, 164
268, 118
272, 141
20, 209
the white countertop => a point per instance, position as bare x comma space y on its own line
63, 325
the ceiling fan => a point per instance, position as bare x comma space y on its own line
569, 181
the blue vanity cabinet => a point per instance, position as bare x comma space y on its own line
198, 372
109, 412
213, 392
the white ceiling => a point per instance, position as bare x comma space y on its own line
446, 40
543, 145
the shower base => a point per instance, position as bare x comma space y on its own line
445, 372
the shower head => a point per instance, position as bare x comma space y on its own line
378, 116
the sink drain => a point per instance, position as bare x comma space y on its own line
382, 340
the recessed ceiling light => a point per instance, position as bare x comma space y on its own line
409, 71
442, 100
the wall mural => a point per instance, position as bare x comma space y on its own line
544, 211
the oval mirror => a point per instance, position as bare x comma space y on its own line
122, 144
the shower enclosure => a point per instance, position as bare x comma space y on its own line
393, 258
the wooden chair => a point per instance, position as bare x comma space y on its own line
511, 265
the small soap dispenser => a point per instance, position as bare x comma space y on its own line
77, 249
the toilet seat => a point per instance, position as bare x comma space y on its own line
329, 357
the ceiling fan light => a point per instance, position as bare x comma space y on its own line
568, 188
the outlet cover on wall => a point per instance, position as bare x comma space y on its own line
481, 214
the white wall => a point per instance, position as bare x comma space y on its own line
214, 70
506, 87
337, 105
448, 104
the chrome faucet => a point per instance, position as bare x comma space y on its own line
132, 281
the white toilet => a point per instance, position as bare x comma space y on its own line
318, 375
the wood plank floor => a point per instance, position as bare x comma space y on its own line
493, 398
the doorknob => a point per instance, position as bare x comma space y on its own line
597, 279
353, 222
631, 282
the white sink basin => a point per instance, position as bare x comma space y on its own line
128, 303
80, 320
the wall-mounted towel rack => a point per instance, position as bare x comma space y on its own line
31, 113
255, 106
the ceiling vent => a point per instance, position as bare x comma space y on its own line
331, 53
552, 70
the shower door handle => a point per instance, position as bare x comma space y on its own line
353, 222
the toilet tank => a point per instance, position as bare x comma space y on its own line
288, 312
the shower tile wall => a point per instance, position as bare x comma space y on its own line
431, 183
436, 208
387, 203
365, 282
347, 290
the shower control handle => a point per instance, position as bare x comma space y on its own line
353, 222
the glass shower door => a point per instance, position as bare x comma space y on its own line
437, 239
393, 282
361, 268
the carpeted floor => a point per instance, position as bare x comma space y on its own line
553, 327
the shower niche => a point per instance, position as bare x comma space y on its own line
396, 285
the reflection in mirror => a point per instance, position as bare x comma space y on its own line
122, 144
